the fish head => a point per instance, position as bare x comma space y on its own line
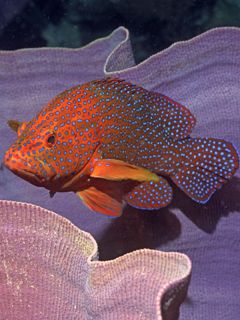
52, 148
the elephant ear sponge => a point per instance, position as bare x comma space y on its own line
49, 270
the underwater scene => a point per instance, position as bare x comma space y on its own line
119, 174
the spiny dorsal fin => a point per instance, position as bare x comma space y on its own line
14, 124
17, 126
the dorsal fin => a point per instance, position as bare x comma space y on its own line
176, 120
17, 126
14, 124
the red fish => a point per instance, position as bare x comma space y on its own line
113, 142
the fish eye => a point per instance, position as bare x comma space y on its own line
51, 140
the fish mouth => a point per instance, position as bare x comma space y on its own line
30, 177
23, 169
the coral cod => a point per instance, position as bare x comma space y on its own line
113, 142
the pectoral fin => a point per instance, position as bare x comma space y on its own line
150, 195
101, 202
111, 169
17, 126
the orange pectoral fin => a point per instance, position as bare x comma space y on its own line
101, 202
111, 169
17, 126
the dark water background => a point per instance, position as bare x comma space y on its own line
153, 24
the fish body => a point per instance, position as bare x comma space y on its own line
113, 142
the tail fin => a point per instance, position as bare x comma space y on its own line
207, 165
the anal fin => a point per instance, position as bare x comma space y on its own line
150, 195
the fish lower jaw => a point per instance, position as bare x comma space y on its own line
28, 176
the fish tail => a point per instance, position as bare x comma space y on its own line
205, 165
